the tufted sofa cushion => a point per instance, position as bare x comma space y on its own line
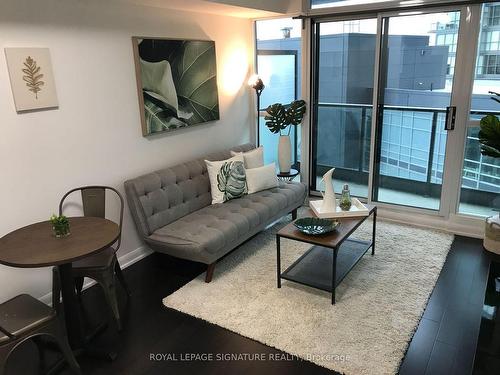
161, 197
207, 234
173, 213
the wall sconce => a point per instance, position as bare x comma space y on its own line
256, 83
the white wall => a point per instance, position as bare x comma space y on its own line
95, 135
279, 6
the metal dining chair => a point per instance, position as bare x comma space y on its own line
102, 267
24, 318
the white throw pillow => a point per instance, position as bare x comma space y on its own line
253, 158
261, 178
227, 179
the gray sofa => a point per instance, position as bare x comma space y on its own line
173, 212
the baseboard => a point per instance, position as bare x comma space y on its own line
125, 261
134, 256
455, 224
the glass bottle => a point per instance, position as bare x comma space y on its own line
345, 199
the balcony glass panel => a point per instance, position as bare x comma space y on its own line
270, 143
278, 64
481, 174
344, 111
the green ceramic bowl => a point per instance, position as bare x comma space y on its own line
315, 226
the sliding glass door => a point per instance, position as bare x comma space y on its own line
392, 108
415, 97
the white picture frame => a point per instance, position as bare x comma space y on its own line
31, 78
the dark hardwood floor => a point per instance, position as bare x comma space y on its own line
446, 338
488, 349
444, 343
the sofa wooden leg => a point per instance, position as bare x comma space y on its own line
210, 272
294, 214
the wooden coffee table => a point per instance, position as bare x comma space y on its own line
333, 255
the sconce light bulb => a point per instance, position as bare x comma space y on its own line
256, 83
252, 81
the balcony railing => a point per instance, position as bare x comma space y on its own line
418, 163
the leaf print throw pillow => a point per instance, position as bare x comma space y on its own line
231, 180
227, 179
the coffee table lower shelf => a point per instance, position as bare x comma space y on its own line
315, 267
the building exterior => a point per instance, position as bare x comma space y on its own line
488, 63
488, 66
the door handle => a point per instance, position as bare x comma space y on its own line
449, 123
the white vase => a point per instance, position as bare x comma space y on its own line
329, 202
284, 153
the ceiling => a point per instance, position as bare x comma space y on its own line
208, 6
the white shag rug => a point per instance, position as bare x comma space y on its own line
379, 303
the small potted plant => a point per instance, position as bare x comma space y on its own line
345, 200
60, 225
279, 118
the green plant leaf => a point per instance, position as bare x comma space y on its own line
159, 118
489, 136
276, 118
158, 83
295, 112
490, 151
194, 72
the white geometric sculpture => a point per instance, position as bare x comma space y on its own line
329, 202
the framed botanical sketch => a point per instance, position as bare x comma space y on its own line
31, 78
176, 82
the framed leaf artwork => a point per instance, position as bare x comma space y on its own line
176, 82
31, 78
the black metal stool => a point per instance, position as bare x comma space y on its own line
25, 318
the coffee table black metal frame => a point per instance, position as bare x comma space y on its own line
311, 268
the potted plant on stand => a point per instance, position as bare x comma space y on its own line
279, 118
489, 137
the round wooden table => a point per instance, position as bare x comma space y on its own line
36, 246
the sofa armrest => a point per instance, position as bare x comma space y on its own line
136, 209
